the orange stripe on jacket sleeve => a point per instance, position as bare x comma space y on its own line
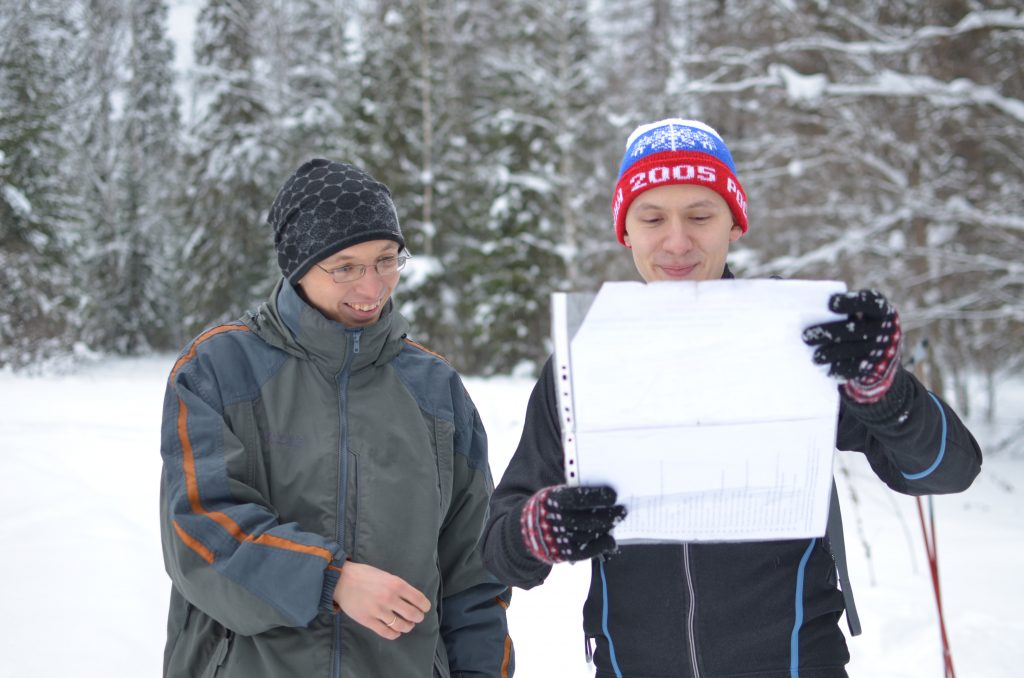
271, 540
507, 657
192, 484
425, 349
188, 462
203, 552
200, 339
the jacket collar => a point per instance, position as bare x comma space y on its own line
303, 330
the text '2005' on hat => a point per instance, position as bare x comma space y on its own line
676, 151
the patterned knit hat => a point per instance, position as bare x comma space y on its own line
325, 207
676, 151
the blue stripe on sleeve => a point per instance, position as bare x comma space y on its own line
604, 623
942, 447
794, 639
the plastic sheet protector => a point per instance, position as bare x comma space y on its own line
700, 404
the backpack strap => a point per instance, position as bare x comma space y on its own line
834, 532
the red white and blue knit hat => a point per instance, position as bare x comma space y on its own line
676, 151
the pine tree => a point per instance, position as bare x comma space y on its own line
415, 84
538, 119
148, 178
312, 83
38, 313
233, 171
394, 124
641, 44
101, 257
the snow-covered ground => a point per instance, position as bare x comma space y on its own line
83, 592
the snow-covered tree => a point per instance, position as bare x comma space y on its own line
311, 83
879, 142
419, 80
99, 258
640, 44
146, 306
38, 210
234, 169
537, 136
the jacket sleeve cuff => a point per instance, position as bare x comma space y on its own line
512, 538
891, 410
331, 575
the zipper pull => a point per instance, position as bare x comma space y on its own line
588, 649
222, 648
355, 341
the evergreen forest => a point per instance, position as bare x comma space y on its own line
880, 142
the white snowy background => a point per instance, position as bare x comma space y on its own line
83, 591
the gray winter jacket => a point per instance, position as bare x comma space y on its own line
291, 444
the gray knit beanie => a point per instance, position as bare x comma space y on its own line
325, 207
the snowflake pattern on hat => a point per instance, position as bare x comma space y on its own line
673, 138
675, 134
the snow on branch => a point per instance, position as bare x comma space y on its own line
916, 40
949, 94
803, 87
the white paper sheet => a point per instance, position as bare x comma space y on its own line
700, 404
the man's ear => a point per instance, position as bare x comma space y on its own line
735, 232
625, 239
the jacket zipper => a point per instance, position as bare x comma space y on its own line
342, 381
691, 613
221, 653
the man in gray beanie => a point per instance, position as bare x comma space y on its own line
325, 479
325, 217
325, 207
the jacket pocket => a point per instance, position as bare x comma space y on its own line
352, 503
249, 465
444, 450
201, 647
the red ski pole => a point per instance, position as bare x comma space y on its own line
933, 566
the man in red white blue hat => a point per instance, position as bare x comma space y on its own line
746, 609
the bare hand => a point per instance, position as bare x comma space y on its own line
380, 601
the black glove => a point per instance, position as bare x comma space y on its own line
561, 523
862, 351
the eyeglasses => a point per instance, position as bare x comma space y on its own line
352, 272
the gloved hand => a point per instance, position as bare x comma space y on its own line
862, 351
560, 523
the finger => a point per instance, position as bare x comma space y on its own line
868, 303
856, 350
595, 520
415, 600
407, 612
396, 622
840, 331
850, 368
587, 496
582, 524
604, 544
400, 591
824, 333
382, 629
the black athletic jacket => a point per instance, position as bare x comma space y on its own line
738, 609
